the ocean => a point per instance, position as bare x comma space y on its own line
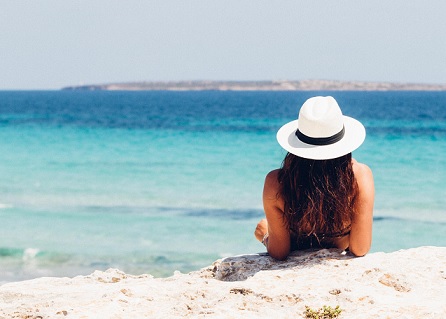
158, 181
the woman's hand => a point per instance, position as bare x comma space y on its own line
261, 229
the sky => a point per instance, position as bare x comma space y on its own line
53, 44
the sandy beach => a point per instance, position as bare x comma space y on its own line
404, 284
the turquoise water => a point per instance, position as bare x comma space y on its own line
152, 182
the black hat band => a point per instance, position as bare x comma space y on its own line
320, 140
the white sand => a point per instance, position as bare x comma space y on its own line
405, 284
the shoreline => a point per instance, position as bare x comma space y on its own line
407, 283
282, 85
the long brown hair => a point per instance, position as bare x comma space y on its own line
319, 195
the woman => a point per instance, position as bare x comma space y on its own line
320, 197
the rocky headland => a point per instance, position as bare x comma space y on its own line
305, 85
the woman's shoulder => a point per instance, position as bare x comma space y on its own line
364, 177
272, 185
361, 170
272, 177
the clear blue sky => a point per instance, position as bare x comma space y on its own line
54, 43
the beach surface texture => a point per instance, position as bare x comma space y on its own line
404, 284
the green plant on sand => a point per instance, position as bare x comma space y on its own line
326, 312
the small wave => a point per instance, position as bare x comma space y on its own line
379, 218
10, 252
24, 254
407, 220
236, 214
30, 254
5, 206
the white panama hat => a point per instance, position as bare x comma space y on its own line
321, 132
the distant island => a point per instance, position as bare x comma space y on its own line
283, 85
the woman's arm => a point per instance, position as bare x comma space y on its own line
360, 238
278, 243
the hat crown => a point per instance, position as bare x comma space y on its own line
320, 117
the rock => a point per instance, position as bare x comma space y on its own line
242, 267
405, 284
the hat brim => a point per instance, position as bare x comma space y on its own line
353, 138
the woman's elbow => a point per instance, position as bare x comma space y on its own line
359, 251
360, 245
278, 254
